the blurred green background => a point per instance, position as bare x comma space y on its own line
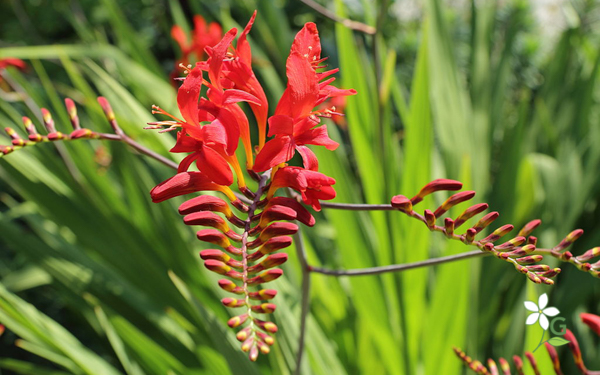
502, 95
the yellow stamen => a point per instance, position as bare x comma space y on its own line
233, 161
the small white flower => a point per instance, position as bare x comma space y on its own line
540, 312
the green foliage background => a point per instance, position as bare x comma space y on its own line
95, 279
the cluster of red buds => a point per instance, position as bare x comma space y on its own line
253, 225
592, 321
192, 47
521, 251
34, 137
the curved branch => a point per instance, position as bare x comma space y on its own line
398, 267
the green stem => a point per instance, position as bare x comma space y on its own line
541, 341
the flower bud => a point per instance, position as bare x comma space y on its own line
588, 255
429, 219
265, 326
48, 121
263, 294
485, 221
106, 108
498, 233
243, 334
207, 219
402, 203
436, 185
265, 276
230, 286
265, 338
233, 302
302, 214
264, 308
531, 259
271, 261
592, 321
222, 269
569, 239
72, 110
273, 244
453, 201
511, 244
469, 213
529, 227
247, 344
448, 227
213, 236
470, 236
253, 354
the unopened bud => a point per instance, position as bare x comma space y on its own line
453, 201
485, 221
263, 294
569, 239
266, 276
108, 112
230, 286
588, 255
271, 261
233, 302
429, 219
266, 326
498, 233
449, 227
529, 227
531, 259
402, 203
436, 185
264, 308
469, 213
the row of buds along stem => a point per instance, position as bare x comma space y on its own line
593, 321
520, 251
247, 262
34, 137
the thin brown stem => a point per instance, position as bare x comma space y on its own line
305, 301
354, 25
399, 267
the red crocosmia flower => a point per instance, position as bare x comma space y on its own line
238, 70
207, 147
313, 186
9, 61
204, 35
213, 146
293, 124
185, 183
592, 321
233, 70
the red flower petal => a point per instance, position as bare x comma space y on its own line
232, 96
307, 42
179, 36
188, 94
301, 94
213, 165
308, 158
184, 165
276, 151
243, 47
217, 54
592, 321
185, 143
281, 125
318, 137
180, 184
